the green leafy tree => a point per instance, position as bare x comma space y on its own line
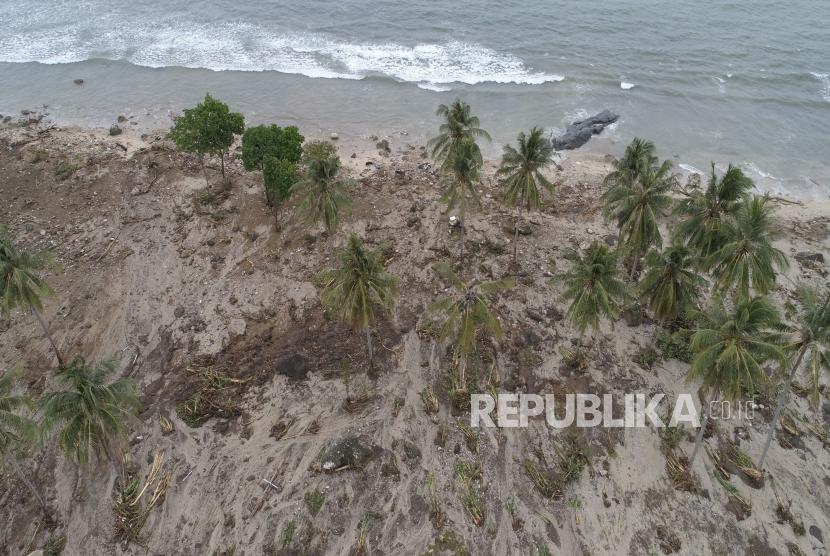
637, 205
521, 174
360, 290
91, 414
639, 157
270, 141
671, 284
20, 283
459, 128
315, 150
746, 258
461, 175
810, 338
730, 346
705, 213
593, 286
17, 432
279, 177
207, 129
467, 313
323, 196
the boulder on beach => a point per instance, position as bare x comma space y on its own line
115, 129
578, 133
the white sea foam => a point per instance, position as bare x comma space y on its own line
689, 169
248, 47
434, 87
824, 79
624, 85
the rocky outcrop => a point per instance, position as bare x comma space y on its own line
578, 133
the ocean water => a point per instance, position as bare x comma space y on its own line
741, 81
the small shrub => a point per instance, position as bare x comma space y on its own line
279, 176
314, 499
674, 346
316, 150
647, 357
259, 143
64, 170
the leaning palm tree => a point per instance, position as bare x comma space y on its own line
705, 213
671, 285
521, 173
17, 432
747, 259
638, 157
323, 196
461, 175
811, 335
458, 127
21, 285
593, 286
730, 345
637, 205
360, 290
92, 415
467, 312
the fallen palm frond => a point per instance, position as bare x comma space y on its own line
716, 459
573, 456
132, 508
436, 514
678, 471
544, 483
358, 403
789, 426
574, 358
430, 400
474, 505
216, 397
736, 497
819, 431
165, 425
742, 461
470, 438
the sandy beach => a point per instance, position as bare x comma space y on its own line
169, 277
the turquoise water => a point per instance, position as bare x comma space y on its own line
742, 81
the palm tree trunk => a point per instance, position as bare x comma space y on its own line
782, 395
48, 335
369, 347
222, 158
703, 422
634, 265
29, 485
516, 233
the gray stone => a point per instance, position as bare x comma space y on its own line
578, 133
293, 366
804, 257
346, 452
115, 130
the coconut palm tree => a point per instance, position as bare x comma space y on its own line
521, 174
637, 205
20, 283
467, 312
704, 213
747, 259
92, 415
459, 126
811, 335
323, 196
593, 286
730, 345
17, 432
461, 175
638, 157
360, 290
671, 285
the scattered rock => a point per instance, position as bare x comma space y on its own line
346, 452
293, 366
115, 129
410, 450
610, 240
78, 81
806, 257
334, 137
178, 312
122, 119
816, 533
383, 146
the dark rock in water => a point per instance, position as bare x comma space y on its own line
122, 119
115, 130
346, 452
578, 133
804, 257
293, 366
78, 82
